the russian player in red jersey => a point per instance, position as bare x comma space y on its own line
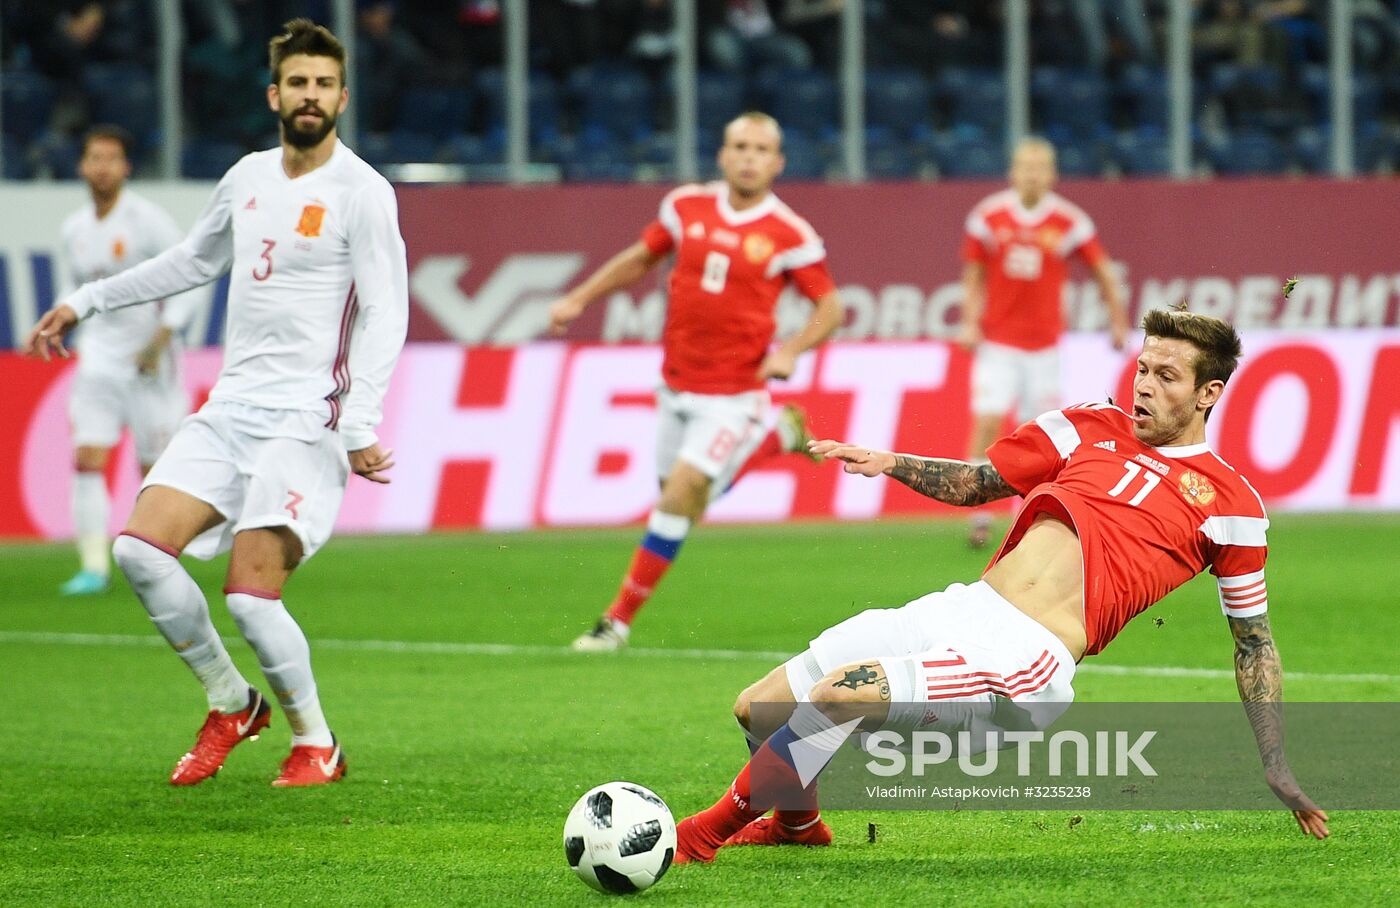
736, 246
1016, 251
1121, 507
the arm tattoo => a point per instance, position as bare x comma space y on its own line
951, 481
863, 675
1259, 676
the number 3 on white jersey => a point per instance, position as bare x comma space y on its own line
1149, 482
716, 270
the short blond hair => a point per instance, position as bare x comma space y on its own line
1035, 143
759, 117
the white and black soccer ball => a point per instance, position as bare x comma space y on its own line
620, 838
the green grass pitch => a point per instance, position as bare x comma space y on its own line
464, 760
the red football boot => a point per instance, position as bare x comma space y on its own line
768, 831
692, 845
219, 735
311, 765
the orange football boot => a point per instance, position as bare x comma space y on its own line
311, 765
220, 733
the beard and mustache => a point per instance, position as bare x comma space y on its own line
302, 137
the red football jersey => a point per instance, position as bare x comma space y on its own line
729, 268
1026, 252
1149, 519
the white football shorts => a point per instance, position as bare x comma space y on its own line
963, 659
258, 468
715, 433
99, 406
1005, 377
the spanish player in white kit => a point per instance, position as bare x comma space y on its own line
318, 310
128, 371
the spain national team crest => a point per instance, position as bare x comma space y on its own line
758, 248
1196, 490
310, 223
118, 249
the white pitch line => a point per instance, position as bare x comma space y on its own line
447, 648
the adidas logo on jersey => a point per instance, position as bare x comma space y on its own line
1107, 445
252, 204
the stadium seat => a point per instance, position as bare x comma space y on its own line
719, 98
588, 163
1083, 158
434, 110
1143, 152
124, 94
1143, 93
28, 100
887, 157
1071, 100
801, 99
59, 156
1312, 148
1247, 152
16, 160
974, 97
397, 147
208, 159
805, 160
474, 149
1316, 82
543, 103
898, 100
968, 153
613, 98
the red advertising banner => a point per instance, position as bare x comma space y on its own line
486, 261
549, 435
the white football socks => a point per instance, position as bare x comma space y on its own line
91, 509
177, 606
285, 657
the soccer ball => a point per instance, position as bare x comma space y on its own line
620, 837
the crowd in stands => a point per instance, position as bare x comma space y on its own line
428, 76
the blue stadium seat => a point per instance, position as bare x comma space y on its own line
124, 94
207, 159
887, 157
1315, 80
1084, 158
1247, 152
1074, 101
1312, 147
968, 153
597, 161
805, 160
60, 157
898, 100
433, 110
543, 103
397, 147
16, 159
974, 97
1143, 152
802, 99
474, 149
28, 101
719, 98
1143, 91
613, 98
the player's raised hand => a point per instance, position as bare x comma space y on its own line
561, 313
969, 337
371, 462
47, 337
778, 364
1118, 334
854, 458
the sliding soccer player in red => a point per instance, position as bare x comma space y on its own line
736, 246
1122, 507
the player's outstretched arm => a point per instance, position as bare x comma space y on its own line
47, 337
954, 482
1259, 676
827, 316
1113, 300
622, 270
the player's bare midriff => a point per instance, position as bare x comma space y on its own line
1044, 577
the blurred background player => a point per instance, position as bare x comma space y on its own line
1016, 254
317, 313
735, 245
1121, 508
129, 364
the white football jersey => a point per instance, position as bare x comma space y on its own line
135, 230
318, 291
